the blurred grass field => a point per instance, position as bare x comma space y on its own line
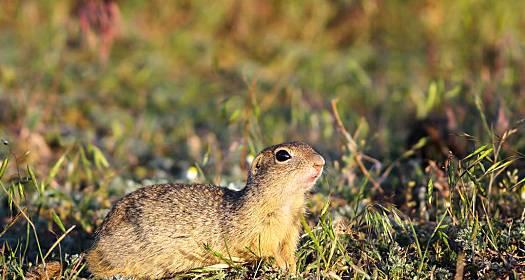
417, 106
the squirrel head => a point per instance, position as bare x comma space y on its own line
293, 165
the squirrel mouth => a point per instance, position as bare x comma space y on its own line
315, 175
312, 179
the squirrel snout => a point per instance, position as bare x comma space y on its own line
318, 161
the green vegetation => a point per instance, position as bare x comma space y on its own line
383, 89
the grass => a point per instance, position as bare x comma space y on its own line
416, 106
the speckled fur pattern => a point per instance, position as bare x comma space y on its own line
161, 230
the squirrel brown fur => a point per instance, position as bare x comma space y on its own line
159, 230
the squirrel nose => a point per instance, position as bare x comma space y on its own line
318, 161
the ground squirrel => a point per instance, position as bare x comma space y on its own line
161, 230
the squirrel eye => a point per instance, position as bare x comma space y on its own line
282, 155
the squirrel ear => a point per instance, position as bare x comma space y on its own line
256, 164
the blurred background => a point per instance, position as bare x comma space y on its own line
101, 96
152, 83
